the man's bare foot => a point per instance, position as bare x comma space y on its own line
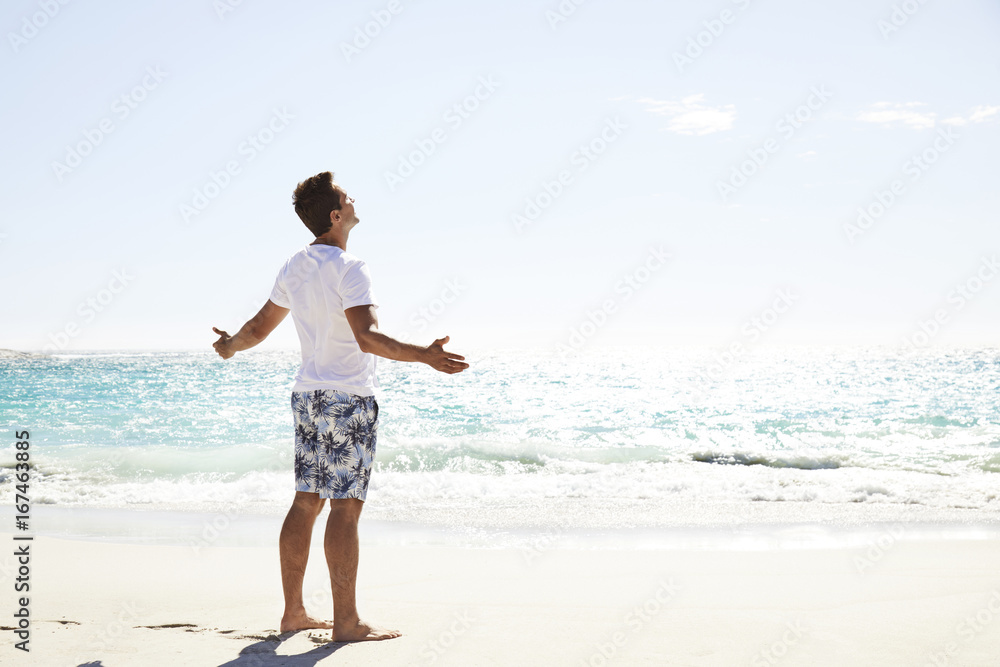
362, 632
303, 621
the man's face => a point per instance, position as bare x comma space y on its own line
347, 209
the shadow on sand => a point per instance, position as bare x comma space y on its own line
264, 653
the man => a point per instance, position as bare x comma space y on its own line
329, 293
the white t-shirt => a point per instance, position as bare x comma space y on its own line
317, 284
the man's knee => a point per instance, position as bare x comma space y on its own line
345, 509
309, 502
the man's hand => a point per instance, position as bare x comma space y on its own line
253, 332
441, 360
222, 345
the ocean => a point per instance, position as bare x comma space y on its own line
637, 437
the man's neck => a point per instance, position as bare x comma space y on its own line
322, 240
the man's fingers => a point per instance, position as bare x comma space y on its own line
452, 367
449, 361
219, 344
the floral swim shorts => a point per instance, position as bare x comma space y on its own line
335, 435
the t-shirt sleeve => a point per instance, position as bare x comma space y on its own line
356, 286
278, 294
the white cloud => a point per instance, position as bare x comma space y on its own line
979, 114
692, 116
982, 113
909, 115
894, 115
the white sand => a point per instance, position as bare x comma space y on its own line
911, 602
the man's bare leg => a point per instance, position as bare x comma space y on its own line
293, 546
341, 545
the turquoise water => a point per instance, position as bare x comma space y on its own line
178, 430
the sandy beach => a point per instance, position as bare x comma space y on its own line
889, 597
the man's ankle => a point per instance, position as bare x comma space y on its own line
346, 620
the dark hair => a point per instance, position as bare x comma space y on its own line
314, 199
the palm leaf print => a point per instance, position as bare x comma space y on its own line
322, 474
366, 477
369, 444
300, 406
306, 434
343, 483
340, 412
338, 453
362, 474
355, 430
303, 466
318, 402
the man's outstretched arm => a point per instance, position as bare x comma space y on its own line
364, 324
253, 332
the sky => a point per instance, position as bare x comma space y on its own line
558, 174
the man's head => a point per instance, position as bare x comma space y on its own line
320, 203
